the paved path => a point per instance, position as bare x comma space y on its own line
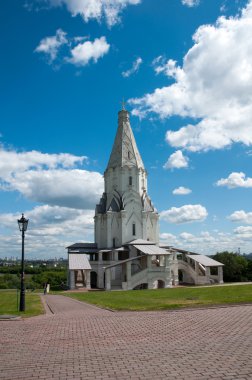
80, 341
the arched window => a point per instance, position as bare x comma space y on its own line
133, 229
130, 181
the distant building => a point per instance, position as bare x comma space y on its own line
126, 253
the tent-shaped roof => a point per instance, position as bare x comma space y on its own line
205, 260
141, 241
151, 249
78, 261
124, 151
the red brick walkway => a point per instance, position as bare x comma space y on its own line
83, 342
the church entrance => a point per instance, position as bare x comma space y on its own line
160, 284
93, 280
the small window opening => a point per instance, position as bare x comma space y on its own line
130, 181
133, 229
113, 242
128, 154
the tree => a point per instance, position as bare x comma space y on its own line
235, 266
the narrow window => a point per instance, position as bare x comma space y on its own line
130, 181
128, 154
133, 229
113, 242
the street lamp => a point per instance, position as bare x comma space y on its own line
22, 224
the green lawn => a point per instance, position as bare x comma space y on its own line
163, 299
8, 304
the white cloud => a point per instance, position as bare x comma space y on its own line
50, 230
241, 216
50, 178
71, 188
168, 239
12, 161
96, 9
181, 190
213, 87
169, 67
135, 67
190, 3
209, 243
244, 232
51, 45
176, 161
83, 53
184, 214
235, 180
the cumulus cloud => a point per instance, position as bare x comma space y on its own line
181, 190
50, 230
176, 161
235, 179
212, 87
95, 9
51, 45
168, 239
208, 243
50, 178
244, 232
190, 3
135, 67
80, 51
184, 214
71, 188
88, 51
241, 216
12, 161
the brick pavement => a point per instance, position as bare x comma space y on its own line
80, 341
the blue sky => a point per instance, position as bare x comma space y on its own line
185, 69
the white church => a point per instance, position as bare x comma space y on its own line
126, 253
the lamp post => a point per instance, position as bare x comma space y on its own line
22, 224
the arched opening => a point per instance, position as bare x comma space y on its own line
184, 277
160, 284
180, 276
93, 279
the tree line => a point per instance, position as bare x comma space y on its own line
35, 278
237, 267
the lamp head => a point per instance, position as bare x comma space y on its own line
23, 223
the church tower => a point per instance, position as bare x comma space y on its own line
125, 211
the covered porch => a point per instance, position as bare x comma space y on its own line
200, 269
78, 271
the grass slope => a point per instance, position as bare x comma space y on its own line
8, 304
163, 299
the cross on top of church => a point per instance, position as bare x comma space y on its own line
123, 104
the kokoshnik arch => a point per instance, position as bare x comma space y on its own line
126, 253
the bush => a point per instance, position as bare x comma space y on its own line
9, 281
56, 279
